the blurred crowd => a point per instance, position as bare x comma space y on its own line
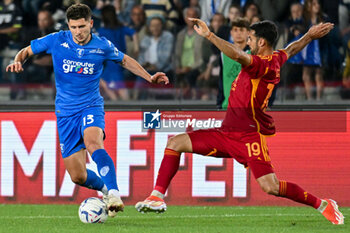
158, 34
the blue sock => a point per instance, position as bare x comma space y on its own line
106, 169
93, 181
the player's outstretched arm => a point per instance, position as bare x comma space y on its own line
133, 66
20, 58
230, 50
314, 33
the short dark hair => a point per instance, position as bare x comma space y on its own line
266, 29
241, 23
78, 11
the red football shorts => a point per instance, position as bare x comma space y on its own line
249, 149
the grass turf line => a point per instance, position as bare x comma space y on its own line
64, 218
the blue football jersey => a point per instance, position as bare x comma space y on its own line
77, 69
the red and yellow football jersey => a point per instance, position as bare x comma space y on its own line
250, 93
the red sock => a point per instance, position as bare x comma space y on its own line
168, 168
296, 193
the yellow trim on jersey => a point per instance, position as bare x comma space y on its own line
267, 57
271, 135
264, 147
267, 69
255, 84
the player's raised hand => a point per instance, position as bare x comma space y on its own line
200, 27
320, 30
159, 77
15, 67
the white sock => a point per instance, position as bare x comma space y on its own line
104, 190
323, 206
114, 192
157, 194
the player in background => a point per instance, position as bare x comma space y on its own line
78, 57
231, 68
243, 131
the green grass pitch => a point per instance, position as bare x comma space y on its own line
184, 219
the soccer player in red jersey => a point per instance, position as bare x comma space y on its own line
246, 124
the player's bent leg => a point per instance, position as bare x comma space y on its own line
76, 166
93, 140
180, 143
327, 207
269, 184
168, 168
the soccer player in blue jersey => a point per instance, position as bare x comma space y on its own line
78, 57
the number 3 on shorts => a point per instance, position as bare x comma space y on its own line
89, 119
253, 148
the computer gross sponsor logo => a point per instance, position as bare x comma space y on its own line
70, 66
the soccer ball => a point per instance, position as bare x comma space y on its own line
93, 210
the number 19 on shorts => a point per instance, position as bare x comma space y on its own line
253, 149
